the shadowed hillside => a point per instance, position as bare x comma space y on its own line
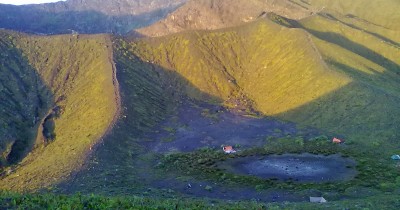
24, 101
78, 72
85, 16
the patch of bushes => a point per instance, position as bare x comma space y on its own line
372, 173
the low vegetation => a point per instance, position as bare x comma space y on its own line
374, 173
78, 201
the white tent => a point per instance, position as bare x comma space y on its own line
317, 200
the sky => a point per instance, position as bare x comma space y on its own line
20, 2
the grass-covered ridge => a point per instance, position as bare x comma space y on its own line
331, 72
217, 14
382, 13
252, 60
366, 109
78, 72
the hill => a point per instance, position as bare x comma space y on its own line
215, 14
321, 83
210, 15
330, 66
24, 101
65, 110
378, 13
347, 39
85, 16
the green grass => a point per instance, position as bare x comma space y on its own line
364, 110
332, 74
24, 99
78, 201
78, 72
374, 173
381, 12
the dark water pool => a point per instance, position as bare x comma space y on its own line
296, 167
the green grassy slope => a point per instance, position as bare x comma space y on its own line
78, 71
366, 110
23, 102
336, 77
251, 60
384, 13
148, 95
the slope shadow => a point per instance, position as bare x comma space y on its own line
149, 93
24, 101
359, 49
357, 109
31, 19
125, 162
342, 41
376, 35
388, 81
362, 113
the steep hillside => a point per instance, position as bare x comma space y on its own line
209, 15
85, 16
370, 55
24, 100
384, 13
215, 14
357, 43
78, 71
282, 73
249, 60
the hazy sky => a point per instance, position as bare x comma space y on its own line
19, 2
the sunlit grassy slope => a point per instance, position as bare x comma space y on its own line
328, 75
252, 60
384, 13
78, 72
367, 109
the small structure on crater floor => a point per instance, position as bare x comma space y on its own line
317, 200
337, 141
395, 157
228, 149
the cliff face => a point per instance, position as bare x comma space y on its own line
85, 16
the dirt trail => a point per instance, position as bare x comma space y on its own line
117, 101
117, 94
115, 82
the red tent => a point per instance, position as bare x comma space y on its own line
228, 149
337, 141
